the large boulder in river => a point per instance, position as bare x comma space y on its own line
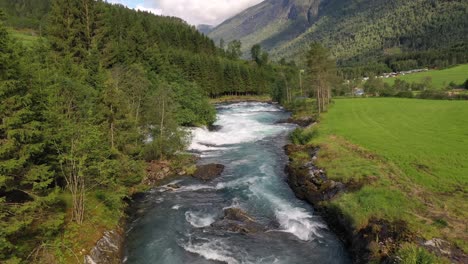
238, 221
208, 172
237, 214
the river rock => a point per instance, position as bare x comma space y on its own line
309, 182
302, 122
214, 128
441, 247
156, 171
238, 221
237, 214
208, 172
107, 250
173, 186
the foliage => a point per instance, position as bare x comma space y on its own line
374, 86
322, 73
100, 90
301, 136
411, 254
366, 36
234, 50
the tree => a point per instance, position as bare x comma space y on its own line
322, 73
234, 50
165, 137
259, 56
255, 53
374, 86
26, 180
221, 44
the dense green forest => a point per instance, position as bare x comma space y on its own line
366, 36
78, 107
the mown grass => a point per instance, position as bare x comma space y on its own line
410, 156
440, 78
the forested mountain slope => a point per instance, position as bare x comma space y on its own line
78, 105
356, 30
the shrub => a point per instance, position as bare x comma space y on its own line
405, 94
302, 136
411, 254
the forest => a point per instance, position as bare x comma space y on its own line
103, 90
373, 37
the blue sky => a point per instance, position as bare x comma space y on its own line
195, 12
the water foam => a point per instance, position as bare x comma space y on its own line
199, 220
213, 250
294, 220
238, 125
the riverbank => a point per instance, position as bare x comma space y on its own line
378, 208
230, 218
105, 238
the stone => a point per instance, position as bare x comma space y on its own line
237, 214
208, 172
108, 249
214, 128
173, 186
238, 221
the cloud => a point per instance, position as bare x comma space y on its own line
129, 3
155, 11
196, 12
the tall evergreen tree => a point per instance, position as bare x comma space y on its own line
26, 180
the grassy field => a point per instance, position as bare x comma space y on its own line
411, 157
25, 37
440, 78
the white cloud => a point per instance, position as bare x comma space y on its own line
155, 11
196, 12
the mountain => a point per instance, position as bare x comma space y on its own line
353, 29
270, 23
205, 29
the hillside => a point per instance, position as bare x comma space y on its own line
270, 23
440, 78
356, 31
83, 85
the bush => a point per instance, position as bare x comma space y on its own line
411, 254
439, 95
405, 94
302, 136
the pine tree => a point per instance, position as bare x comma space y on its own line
26, 180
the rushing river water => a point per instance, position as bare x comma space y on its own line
173, 227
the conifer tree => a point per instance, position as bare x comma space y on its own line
26, 180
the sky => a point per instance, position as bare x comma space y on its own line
195, 12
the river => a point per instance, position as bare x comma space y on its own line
173, 227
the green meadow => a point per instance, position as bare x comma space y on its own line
440, 78
25, 37
411, 156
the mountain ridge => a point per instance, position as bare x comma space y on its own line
353, 29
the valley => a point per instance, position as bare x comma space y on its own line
152, 132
